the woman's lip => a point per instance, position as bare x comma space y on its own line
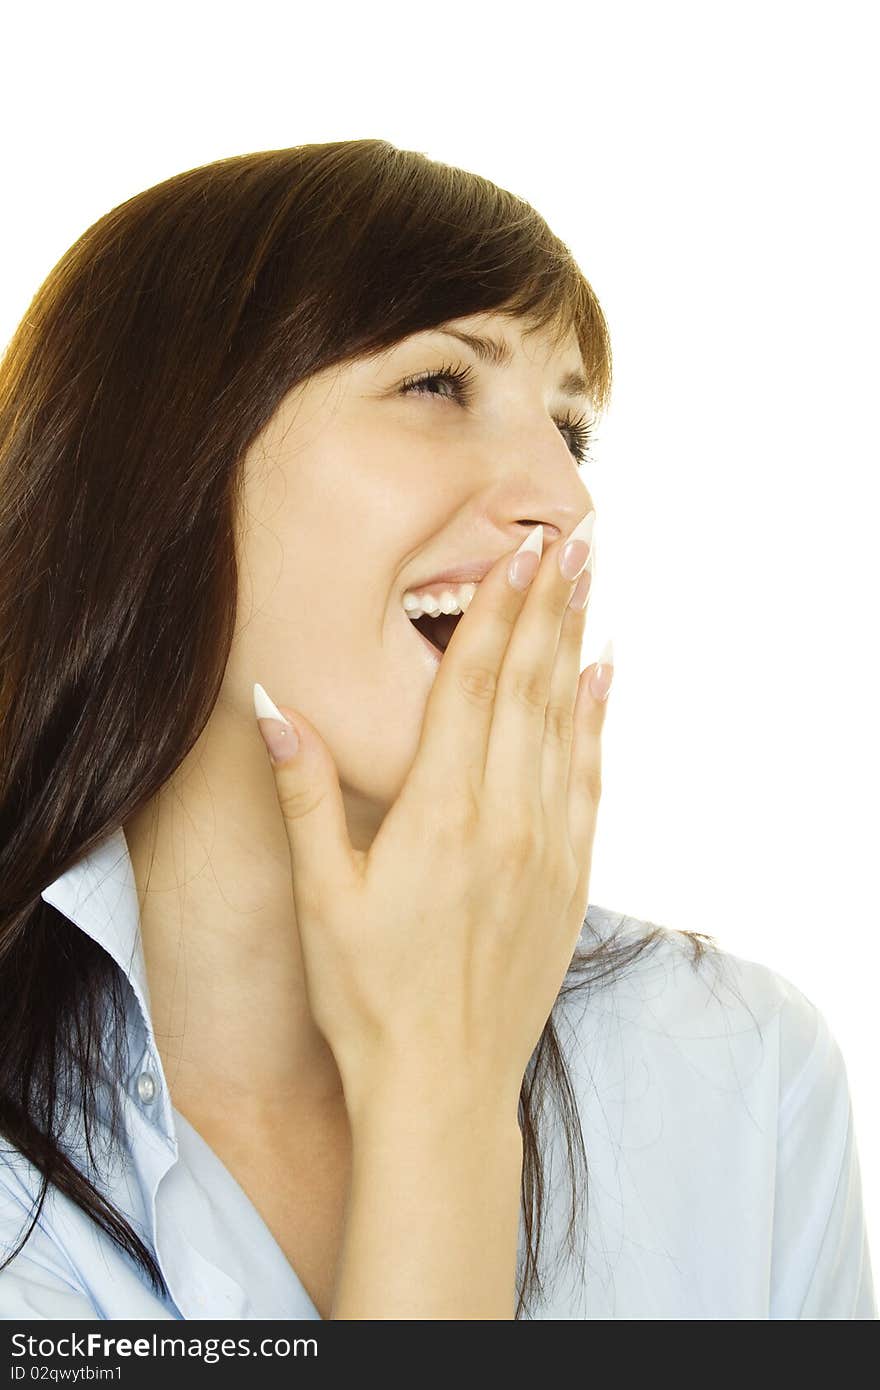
472, 573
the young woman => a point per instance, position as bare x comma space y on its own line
321, 1035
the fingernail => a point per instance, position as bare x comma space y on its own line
278, 734
600, 680
573, 555
581, 591
524, 564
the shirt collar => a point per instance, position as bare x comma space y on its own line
99, 895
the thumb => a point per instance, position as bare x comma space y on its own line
309, 796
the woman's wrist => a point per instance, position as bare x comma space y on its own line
419, 1100
433, 1211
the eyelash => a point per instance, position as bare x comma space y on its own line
460, 377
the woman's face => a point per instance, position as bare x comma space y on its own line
356, 492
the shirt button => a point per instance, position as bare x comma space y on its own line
146, 1086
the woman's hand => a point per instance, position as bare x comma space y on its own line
439, 952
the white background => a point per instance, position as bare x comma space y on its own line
713, 167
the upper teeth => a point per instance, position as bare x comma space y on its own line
455, 599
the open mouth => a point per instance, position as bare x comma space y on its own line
437, 631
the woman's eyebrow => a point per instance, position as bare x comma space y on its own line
500, 354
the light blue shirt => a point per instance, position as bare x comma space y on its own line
724, 1179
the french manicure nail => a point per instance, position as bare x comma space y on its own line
582, 588
279, 735
524, 564
600, 681
265, 708
573, 555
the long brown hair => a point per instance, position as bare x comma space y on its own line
157, 348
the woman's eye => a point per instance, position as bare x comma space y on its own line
459, 379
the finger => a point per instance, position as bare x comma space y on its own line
451, 754
310, 799
559, 717
585, 778
516, 742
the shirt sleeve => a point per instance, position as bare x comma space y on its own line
821, 1264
